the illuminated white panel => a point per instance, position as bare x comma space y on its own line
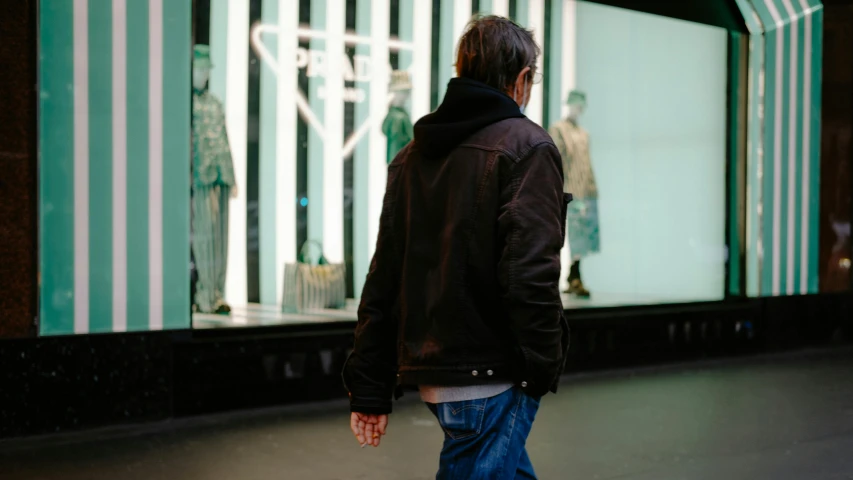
537, 24
380, 29
286, 123
422, 66
236, 117
500, 7
461, 17
569, 46
333, 168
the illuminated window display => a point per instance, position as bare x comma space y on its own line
327, 92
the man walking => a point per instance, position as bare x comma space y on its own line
462, 297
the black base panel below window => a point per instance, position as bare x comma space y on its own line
59, 384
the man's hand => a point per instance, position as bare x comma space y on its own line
368, 429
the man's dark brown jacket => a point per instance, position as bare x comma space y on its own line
463, 287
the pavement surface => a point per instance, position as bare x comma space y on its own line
772, 417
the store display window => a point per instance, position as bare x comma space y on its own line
221, 163
317, 101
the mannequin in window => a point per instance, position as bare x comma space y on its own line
213, 185
397, 125
583, 231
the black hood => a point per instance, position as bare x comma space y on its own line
468, 107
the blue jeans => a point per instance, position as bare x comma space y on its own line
484, 439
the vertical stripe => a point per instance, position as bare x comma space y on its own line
100, 165
500, 7
406, 26
569, 52
522, 12
406, 22
57, 169
805, 178
119, 184
767, 202
793, 115
177, 104
733, 152
486, 7
461, 17
535, 106
137, 182
286, 124
333, 169
753, 144
317, 53
446, 43
776, 137
556, 57
361, 157
812, 223
236, 119
81, 167
796, 240
422, 64
755, 162
219, 48
267, 161
376, 165
155, 164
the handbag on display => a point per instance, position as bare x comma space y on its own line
313, 285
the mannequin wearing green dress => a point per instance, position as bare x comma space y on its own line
397, 125
213, 185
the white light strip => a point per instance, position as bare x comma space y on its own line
81, 166
568, 82
119, 78
333, 171
806, 160
155, 164
537, 96
286, 123
461, 17
570, 29
380, 28
236, 118
500, 8
422, 64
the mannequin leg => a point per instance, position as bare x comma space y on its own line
203, 251
221, 250
575, 272
576, 286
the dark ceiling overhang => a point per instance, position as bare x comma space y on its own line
719, 13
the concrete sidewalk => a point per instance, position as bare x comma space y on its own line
775, 417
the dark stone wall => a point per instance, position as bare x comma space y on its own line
18, 164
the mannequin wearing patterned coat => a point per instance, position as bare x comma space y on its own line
582, 218
213, 185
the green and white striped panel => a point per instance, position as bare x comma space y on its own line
784, 153
114, 140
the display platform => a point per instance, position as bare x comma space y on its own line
255, 315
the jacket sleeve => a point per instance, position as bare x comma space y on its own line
531, 221
370, 372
